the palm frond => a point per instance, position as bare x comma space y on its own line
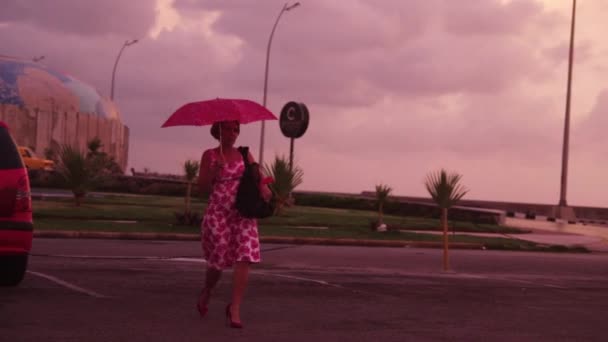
75, 169
285, 180
191, 169
383, 192
94, 145
445, 188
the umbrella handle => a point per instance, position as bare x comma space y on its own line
221, 145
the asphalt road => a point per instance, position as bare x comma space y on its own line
113, 290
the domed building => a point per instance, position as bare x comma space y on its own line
46, 109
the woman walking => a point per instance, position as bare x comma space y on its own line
228, 239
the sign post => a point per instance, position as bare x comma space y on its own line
294, 123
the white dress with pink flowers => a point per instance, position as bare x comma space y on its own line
228, 237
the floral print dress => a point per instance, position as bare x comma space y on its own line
227, 237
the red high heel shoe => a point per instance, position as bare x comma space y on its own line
202, 310
229, 321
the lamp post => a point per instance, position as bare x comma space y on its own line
563, 211
285, 8
127, 43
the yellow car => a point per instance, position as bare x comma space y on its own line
32, 162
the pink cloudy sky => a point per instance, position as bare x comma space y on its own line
395, 88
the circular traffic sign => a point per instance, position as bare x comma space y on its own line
294, 119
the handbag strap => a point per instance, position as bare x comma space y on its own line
245, 154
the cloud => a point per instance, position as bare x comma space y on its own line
361, 70
88, 18
590, 133
395, 88
394, 48
490, 17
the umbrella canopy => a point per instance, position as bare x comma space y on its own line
208, 112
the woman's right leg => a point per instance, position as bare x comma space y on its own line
212, 276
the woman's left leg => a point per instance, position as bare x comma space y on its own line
211, 279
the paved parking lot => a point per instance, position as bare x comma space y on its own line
103, 290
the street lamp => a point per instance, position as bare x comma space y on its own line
563, 211
127, 43
285, 8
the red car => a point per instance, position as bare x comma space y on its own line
16, 226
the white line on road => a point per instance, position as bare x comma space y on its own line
321, 282
110, 257
68, 285
197, 260
440, 275
537, 283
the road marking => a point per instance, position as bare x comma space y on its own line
537, 283
110, 257
197, 260
321, 282
411, 274
507, 278
277, 248
68, 285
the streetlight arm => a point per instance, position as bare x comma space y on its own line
127, 43
285, 8
114, 70
268, 52
263, 130
289, 8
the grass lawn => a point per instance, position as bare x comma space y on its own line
156, 214
159, 209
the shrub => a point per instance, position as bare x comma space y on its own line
286, 179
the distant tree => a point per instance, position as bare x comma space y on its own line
285, 181
446, 191
83, 171
191, 171
93, 146
50, 154
100, 161
75, 169
382, 194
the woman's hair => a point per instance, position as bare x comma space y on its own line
215, 128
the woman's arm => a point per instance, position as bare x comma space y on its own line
264, 189
206, 175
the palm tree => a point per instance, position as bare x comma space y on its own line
285, 181
93, 146
382, 194
446, 191
102, 164
76, 171
191, 169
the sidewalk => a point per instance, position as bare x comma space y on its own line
594, 238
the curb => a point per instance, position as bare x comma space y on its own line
367, 243
73, 234
267, 239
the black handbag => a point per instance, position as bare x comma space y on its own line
249, 200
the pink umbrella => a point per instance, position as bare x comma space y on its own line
208, 112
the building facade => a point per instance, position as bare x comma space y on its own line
46, 109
